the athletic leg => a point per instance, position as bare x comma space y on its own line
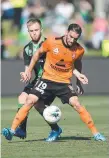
20, 116
67, 95
86, 117
40, 106
21, 130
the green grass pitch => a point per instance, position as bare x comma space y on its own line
76, 140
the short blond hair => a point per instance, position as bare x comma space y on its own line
32, 21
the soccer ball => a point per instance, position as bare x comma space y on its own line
52, 114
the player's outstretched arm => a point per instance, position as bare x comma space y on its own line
81, 77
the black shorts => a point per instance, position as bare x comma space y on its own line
45, 89
29, 87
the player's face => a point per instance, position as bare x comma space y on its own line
35, 31
71, 37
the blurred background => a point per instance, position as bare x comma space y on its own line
56, 15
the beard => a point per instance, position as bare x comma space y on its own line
69, 45
36, 40
65, 40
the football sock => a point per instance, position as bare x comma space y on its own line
20, 116
24, 123
54, 127
86, 118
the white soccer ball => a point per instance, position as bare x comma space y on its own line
52, 114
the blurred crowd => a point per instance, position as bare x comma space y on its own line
55, 19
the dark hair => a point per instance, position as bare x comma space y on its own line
34, 20
76, 28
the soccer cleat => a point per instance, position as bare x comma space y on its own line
8, 133
99, 137
20, 133
53, 136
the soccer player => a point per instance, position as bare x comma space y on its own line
35, 31
61, 53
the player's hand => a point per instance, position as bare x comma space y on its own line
79, 89
25, 76
83, 78
28, 74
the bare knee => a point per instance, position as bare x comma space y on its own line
22, 98
75, 102
31, 100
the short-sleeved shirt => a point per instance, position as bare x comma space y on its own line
59, 63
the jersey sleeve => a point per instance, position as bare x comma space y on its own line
27, 58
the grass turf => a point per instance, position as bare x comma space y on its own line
76, 140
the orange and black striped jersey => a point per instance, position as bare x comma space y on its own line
60, 59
